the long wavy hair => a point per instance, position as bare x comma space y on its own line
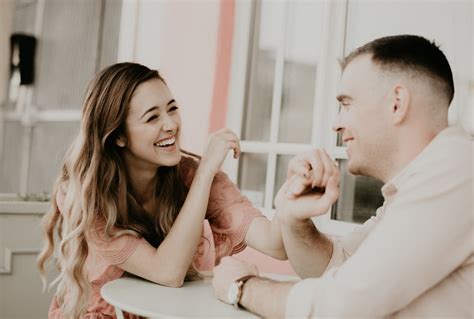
98, 189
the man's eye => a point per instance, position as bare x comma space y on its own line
345, 105
152, 118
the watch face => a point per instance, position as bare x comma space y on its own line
233, 293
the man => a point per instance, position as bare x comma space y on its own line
415, 257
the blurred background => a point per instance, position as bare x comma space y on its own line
267, 69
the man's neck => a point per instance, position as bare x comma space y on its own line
410, 144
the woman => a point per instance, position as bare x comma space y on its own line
129, 200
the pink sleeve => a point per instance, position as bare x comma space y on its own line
230, 214
114, 250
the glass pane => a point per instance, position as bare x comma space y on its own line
67, 57
10, 160
25, 16
49, 144
252, 176
302, 46
24, 19
257, 114
359, 199
280, 174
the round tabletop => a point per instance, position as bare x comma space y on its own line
195, 299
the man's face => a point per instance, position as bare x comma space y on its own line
364, 116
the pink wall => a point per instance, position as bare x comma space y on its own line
187, 42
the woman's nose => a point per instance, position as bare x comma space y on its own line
169, 124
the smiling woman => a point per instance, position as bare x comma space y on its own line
129, 199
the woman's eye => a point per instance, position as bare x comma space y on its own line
173, 108
152, 118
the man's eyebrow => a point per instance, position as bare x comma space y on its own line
156, 107
342, 97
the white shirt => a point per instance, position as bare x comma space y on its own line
414, 259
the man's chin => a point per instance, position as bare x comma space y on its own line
354, 169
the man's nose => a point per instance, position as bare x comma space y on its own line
337, 124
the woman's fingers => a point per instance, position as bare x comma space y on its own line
296, 185
329, 165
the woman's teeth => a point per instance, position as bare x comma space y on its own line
165, 143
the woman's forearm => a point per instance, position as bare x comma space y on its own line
176, 252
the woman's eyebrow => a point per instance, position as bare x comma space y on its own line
156, 107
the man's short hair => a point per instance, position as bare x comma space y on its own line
408, 53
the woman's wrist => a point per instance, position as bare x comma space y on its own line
205, 172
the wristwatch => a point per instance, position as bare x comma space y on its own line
235, 290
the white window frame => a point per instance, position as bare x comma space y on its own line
325, 105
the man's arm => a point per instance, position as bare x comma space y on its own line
308, 250
265, 297
262, 296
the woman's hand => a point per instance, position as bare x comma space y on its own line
218, 145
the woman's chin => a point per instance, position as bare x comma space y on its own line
171, 159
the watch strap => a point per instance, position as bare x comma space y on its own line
240, 284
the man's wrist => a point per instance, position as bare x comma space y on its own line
235, 291
288, 219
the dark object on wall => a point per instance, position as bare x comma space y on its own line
22, 56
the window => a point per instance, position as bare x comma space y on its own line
284, 82
41, 120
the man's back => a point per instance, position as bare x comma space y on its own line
415, 258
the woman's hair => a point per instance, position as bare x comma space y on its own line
98, 187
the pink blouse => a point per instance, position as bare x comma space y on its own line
228, 216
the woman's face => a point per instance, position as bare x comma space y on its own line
152, 127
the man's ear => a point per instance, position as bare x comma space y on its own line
121, 141
400, 103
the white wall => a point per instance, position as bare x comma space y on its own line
21, 293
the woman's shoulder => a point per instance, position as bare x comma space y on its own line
187, 168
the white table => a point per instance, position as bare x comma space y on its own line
195, 299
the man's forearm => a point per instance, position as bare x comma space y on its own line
266, 297
308, 250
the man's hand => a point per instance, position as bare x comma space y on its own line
311, 188
228, 271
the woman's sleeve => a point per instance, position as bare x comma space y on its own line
230, 214
115, 250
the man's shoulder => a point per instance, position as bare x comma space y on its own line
451, 149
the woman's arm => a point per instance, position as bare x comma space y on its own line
169, 263
265, 236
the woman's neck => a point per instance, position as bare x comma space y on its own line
142, 183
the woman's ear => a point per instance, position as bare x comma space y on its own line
401, 103
120, 141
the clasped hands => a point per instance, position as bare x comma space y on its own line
311, 187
